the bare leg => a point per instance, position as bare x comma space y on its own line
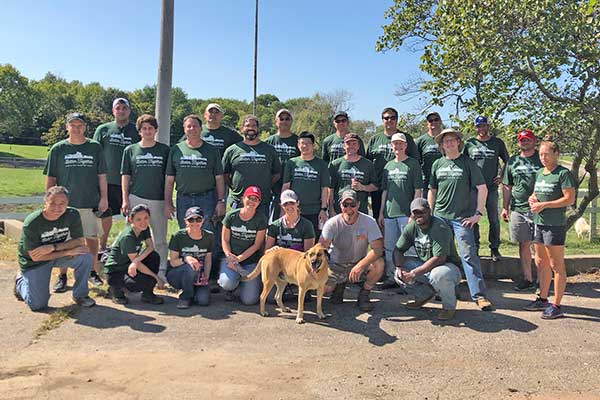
106, 226
92, 244
542, 262
557, 263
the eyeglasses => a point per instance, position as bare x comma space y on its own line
349, 204
390, 118
195, 219
285, 119
341, 121
433, 120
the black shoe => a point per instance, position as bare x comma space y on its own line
496, 255
363, 301
60, 286
214, 287
16, 292
337, 296
95, 279
525, 286
151, 298
229, 296
103, 254
388, 285
117, 295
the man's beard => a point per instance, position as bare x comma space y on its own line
250, 135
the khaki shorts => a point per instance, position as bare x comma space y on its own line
92, 225
338, 273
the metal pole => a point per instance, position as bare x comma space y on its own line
165, 72
255, 54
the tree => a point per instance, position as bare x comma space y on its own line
17, 102
498, 57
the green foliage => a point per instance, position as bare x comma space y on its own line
17, 102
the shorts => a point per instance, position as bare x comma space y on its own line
338, 273
115, 201
521, 226
92, 225
549, 235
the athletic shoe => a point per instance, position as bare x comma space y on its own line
229, 296
60, 286
537, 305
363, 301
85, 301
388, 285
446, 315
183, 304
552, 312
151, 298
117, 295
95, 279
103, 254
484, 304
15, 291
496, 255
525, 286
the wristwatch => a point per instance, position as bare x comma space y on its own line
479, 213
222, 200
324, 209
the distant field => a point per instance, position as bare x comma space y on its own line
23, 151
20, 182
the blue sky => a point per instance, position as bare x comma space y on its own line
305, 46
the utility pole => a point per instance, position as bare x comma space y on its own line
165, 72
255, 54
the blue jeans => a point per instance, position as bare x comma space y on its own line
33, 284
468, 256
230, 280
207, 201
443, 279
491, 209
392, 229
183, 278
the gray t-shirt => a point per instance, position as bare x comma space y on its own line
350, 242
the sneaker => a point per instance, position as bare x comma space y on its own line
552, 312
446, 315
337, 296
537, 305
484, 304
103, 254
496, 255
151, 298
214, 287
525, 286
363, 302
60, 286
388, 285
418, 303
85, 301
229, 296
183, 304
95, 279
117, 295
15, 291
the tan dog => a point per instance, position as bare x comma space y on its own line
582, 228
280, 266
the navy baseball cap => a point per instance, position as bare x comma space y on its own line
480, 120
194, 212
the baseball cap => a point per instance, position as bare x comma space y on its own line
252, 191
525, 134
351, 136
75, 115
398, 136
349, 194
288, 196
121, 100
283, 110
341, 114
481, 120
432, 114
440, 138
213, 105
194, 212
419, 204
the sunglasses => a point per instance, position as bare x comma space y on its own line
433, 120
418, 213
390, 118
214, 111
285, 119
349, 204
341, 121
195, 219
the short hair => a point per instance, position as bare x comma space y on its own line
551, 143
137, 209
248, 118
146, 118
54, 190
193, 116
307, 135
389, 109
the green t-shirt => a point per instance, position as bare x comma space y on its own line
333, 148
146, 167
126, 243
286, 148
307, 179
454, 180
182, 243
194, 168
520, 173
379, 150
400, 179
251, 166
38, 231
114, 140
436, 241
429, 151
291, 238
243, 233
76, 167
549, 187
221, 138
342, 172
486, 155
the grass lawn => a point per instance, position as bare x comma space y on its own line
21, 182
23, 151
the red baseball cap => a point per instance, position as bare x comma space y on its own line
252, 191
525, 134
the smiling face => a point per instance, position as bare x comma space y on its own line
76, 127
306, 146
548, 156
389, 120
351, 147
250, 129
55, 205
284, 122
399, 148
121, 113
140, 220
147, 131
192, 129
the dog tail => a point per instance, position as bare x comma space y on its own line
254, 273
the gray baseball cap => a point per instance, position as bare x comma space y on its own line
419, 204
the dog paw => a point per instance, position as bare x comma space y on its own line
264, 314
299, 320
321, 316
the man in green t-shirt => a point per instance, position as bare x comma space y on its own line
216, 134
518, 183
379, 151
332, 146
251, 162
308, 176
452, 179
78, 164
486, 150
435, 270
285, 144
114, 136
52, 237
351, 171
428, 149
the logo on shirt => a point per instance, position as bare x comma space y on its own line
56, 235
542, 187
423, 245
283, 149
352, 173
253, 157
78, 159
306, 173
193, 161
526, 169
398, 176
481, 153
193, 251
290, 242
450, 172
336, 150
243, 233
432, 149
385, 150
217, 142
148, 160
120, 140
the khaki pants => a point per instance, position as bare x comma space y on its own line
158, 226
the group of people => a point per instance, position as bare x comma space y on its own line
427, 197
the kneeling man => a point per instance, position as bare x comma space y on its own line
350, 234
52, 237
435, 270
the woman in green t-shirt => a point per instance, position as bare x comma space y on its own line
554, 190
291, 231
190, 260
242, 238
127, 266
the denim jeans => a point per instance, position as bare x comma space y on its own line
207, 201
491, 207
392, 229
33, 284
230, 280
183, 277
443, 279
468, 256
